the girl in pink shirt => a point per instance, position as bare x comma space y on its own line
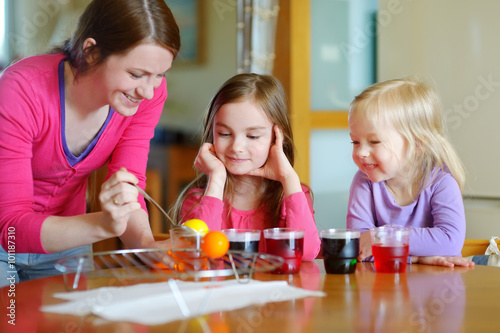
246, 160
95, 101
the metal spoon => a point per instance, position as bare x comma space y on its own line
148, 198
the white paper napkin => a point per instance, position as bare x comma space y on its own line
159, 303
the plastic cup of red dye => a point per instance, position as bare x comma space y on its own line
287, 243
390, 248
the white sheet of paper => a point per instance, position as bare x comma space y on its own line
155, 303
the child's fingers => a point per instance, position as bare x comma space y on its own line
204, 150
365, 246
445, 262
206, 147
279, 135
459, 261
207, 161
256, 173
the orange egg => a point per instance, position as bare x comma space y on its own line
214, 244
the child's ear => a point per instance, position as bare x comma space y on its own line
418, 148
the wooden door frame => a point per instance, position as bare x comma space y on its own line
292, 68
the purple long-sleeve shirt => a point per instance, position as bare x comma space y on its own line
436, 217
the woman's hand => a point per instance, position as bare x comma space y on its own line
118, 200
278, 166
445, 261
161, 244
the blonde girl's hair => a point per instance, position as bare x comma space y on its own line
267, 92
413, 109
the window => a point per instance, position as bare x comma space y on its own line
3, 38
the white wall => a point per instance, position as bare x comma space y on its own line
454, 45
36, 25
191, 87
483, 218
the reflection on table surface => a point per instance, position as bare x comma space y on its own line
425, 299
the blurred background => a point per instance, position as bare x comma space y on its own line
324, 52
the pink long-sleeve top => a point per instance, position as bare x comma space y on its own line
38, 175
296, 212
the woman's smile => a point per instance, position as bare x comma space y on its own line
133, 100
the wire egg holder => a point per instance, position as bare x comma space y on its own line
163, 264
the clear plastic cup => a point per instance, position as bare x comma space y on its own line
390, 248
340, 250
246, 240
186, 252
287, 243
185, 238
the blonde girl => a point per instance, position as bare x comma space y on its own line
246, 159
409, 173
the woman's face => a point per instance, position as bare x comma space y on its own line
243, 135
126, 80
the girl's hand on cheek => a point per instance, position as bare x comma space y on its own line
277, 166
208, 162
118, 198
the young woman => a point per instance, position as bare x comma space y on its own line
94, 101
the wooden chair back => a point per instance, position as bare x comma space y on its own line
474, 247
181, 171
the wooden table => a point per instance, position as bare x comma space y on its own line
425, 299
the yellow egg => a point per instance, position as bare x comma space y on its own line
197, 225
